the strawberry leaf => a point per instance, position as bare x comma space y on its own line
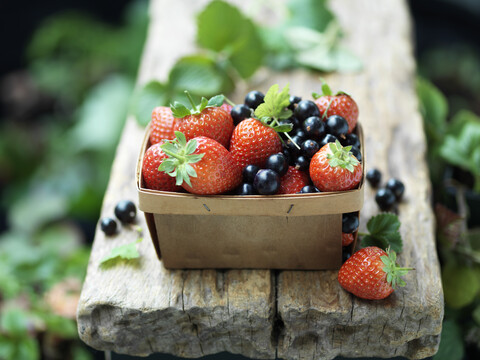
216, 101
179, 110
126, 252
384, 232
274, 103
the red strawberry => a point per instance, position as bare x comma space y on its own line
253, 142
201, 166
154, 179
371, 273
334, 168
339, 104
347, 239
226, 107
293, 181
206, 119
161, 126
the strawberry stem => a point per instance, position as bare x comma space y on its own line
228, 101
190, 99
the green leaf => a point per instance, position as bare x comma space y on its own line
460, 284
14, 321
197, 74
434, 109
216, 101
28, 349
451, 342
102, 115
127, 252
384, 232
179, 110
313, 14
476, 315
146, 98
274, 102
238, 40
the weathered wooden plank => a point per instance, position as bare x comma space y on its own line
320, 319
145, 308
142, 309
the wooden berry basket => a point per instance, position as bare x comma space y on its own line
298, 231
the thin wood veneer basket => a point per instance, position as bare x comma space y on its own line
298, 231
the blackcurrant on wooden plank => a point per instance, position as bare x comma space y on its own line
141, 308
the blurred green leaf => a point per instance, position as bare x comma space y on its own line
451, 342
434, 109
313, 14
123, 252
460, 284
59, 325
14, 321
197, 74
147, 98
28, 349
221, 27
102, 115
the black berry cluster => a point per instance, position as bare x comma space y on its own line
246, 110
125, 211
311, 132
263, 181
389, 196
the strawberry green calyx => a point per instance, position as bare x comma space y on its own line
341, 156
393, 271
180, 110
327, 91
180, 156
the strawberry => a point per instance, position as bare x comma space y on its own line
201, 166
227, 107
339, 104
371, 273
347, 239
334, 168
154, 179
293, 181
161, 126
254, 140
206, 119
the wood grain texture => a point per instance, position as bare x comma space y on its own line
143, 308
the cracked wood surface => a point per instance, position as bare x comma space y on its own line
142, 308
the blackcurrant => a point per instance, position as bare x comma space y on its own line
294, 100
350, 223
346, 254
287, 154
278, 163
294, 150
351, 139
397, 187
308, 189
108, 226
305, 109
295, 122
310, 148
355, 152
126, 211
249, 172
385, 199
302, 163
245, 189
374, 176
337, 126
300, 133
327, 139
240, 112
253, 99
267, 182
314, 127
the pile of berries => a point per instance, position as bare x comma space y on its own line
390, 195
273, 143
125, 211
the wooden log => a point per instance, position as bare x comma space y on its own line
142, 308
